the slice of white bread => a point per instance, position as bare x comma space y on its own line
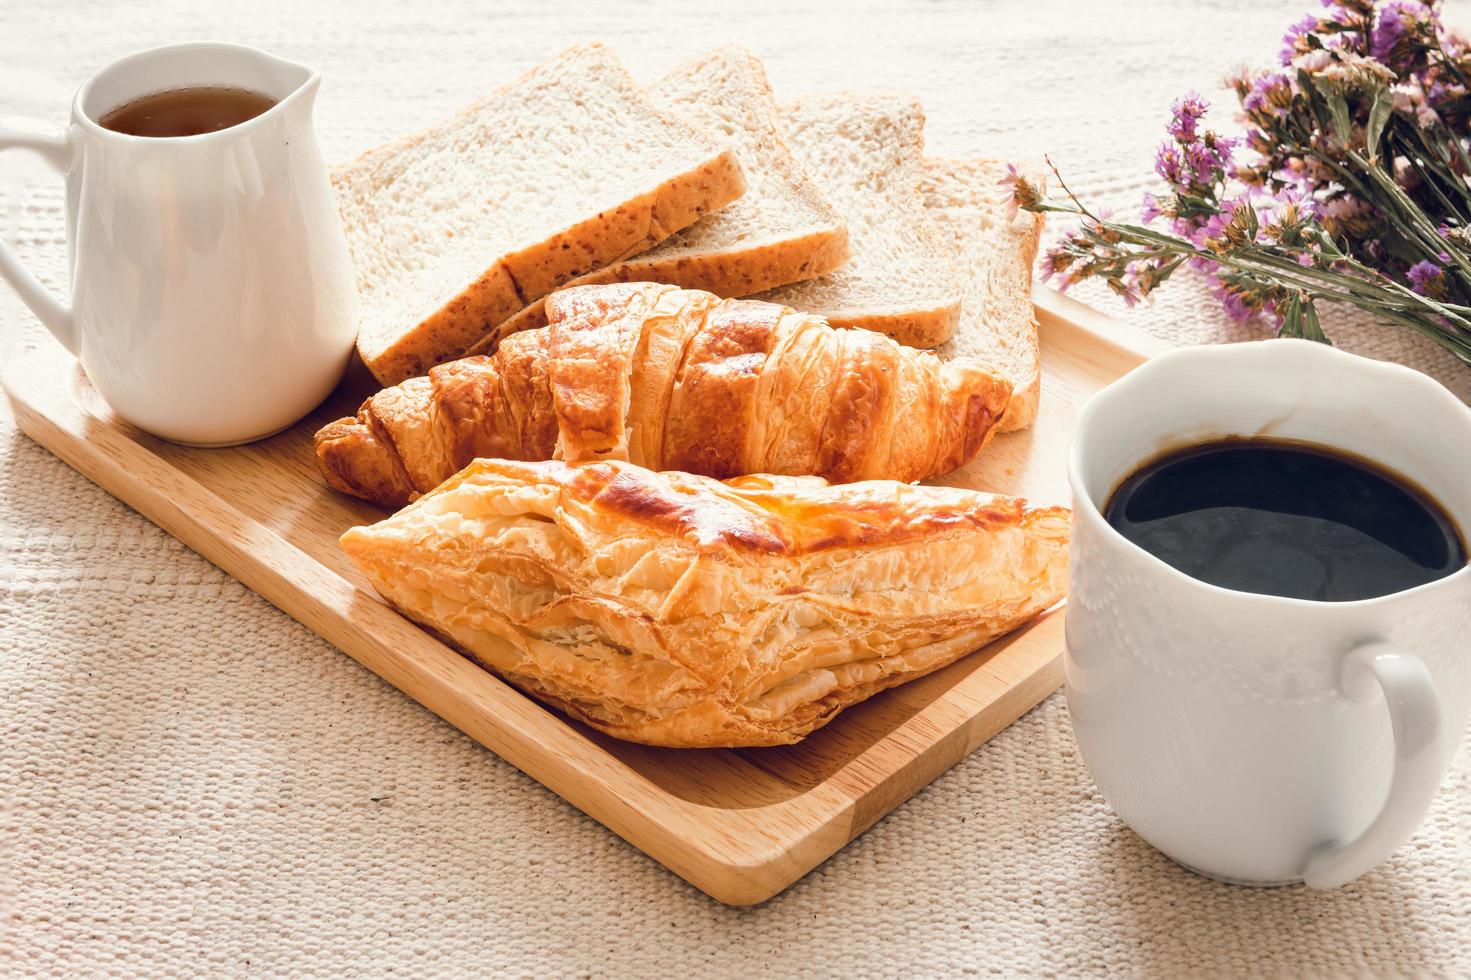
568, 168
866, 154
995, 255
781, 230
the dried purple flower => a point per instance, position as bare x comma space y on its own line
1024, 193
1295, 41
1233, 302
1185, 114
1149, 208
1239, 79
1059, 260
1268, 97
1350, 74
1313, 61
1427, 279
1456, 235
1398, 22
1452, 42
1209, 159
1284, 216
1169, 163
1212, 233
1125, 289
1389, 30
1346, 216
1407, 97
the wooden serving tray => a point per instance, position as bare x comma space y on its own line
741, 825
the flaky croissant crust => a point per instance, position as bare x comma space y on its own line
676, 610
673, 379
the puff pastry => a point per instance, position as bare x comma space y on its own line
678, 610
673, 379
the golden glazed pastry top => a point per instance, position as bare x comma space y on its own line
677, 610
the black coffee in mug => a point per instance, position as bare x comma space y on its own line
1286, 518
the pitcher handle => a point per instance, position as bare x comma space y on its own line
52, 145
1415, 717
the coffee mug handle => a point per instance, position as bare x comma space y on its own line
1415, 717
51, 143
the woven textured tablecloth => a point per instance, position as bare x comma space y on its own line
192, 782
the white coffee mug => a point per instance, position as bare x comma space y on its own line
1257, 739
213, 300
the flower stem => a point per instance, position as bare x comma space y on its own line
1446, 324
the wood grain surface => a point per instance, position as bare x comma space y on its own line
739, 824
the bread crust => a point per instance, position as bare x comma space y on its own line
511, 281
673, 379
521, 277
733, 273
1026, 393
995, 255
745, 265
925, 329
677, 610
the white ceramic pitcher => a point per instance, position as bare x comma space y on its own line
213, 299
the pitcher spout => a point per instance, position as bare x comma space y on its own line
304, 96
290, 81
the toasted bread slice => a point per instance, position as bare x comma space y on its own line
568, 168
781, 230
997, 322
866, 154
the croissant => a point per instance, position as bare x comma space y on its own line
677, 610
673, 379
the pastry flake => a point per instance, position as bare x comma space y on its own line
673, 379
677, 610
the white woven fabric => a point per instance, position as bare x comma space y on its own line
194, 783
